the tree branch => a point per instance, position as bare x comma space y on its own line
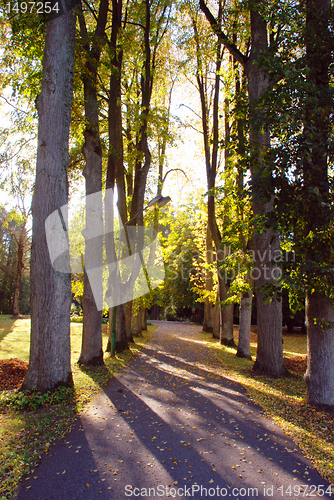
234, 51
12, 105
6, 159
173, 170
186, 106
90, 8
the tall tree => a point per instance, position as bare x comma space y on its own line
246, 299
317, 203
115, 175
91, 350
50, 361
269, 312
211, 134
304, 193
151, 20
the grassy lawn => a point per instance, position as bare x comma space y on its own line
14, 338
284, 401
26, 435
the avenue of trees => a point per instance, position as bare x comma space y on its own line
100, 80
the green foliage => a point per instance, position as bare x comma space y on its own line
297, 107
31, 400
76, 319
22, 41
12, 234
182, 256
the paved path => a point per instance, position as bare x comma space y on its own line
171, 425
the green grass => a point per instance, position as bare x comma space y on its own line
26, 435
14, 338
284, 401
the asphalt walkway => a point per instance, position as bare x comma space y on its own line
170, 425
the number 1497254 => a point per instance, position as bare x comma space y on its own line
31, 7
306, 490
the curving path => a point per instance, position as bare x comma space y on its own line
170, 425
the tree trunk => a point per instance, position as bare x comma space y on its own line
269, 358
216, 321
208, 316
319, 307
143, 318
208, 305
319, 375
91, 349
128, 316
115, 172
245, 317
136, 323
121, 343
226, 332
109, 347
50, 354
20, 267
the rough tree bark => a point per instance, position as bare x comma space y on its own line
208, 305
115, 172
269, 359
319, 375
50, 355
319, 307
245, 317
91, 349
21, 243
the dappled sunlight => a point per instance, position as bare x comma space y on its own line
193, 341
296, 344
264, 387
293, 353
210, 393
177, 372
284, 400
170, 424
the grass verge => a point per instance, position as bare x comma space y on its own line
26, 435
284, 401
